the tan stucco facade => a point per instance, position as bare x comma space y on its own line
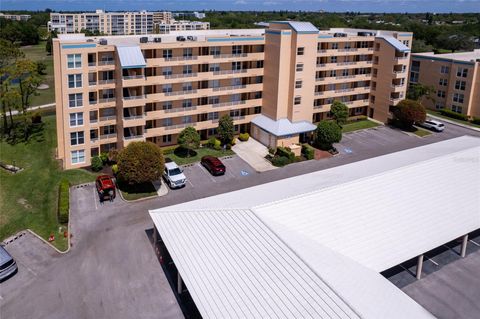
280, 72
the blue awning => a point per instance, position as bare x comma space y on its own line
131, 57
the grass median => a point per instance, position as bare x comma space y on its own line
358, 125
29, 199
181, 158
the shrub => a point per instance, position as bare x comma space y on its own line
233, 142
63, 201
211, 141
229, 146
308, 151
454, 115
339, 112
169, 149
189, 139
271, 150
408, 112
285, 152
280, 161
97, 164
104, 157
326, 134
112, 155
476, 120
244, 137
36, 118
140, 162
226, 129
115, 169
217, 145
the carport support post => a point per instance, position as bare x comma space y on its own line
179, 283
463, 251
419, 266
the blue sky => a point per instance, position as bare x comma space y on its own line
266, 5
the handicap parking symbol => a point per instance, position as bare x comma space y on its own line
348, 150
244, 173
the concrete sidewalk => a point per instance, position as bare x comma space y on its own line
453, 122
33, 108
253, 152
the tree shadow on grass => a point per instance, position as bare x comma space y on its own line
184, 152
136, 188
20, 133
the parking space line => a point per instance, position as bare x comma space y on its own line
188, 180
95, 199
28, 268
475, 243
203, 169
231, 174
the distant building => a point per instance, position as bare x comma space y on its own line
15, 17
455, 77
195, 14
120, 23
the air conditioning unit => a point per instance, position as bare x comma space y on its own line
103, 42
144, 40
365, 34
157, 40
191, 38
180, 38
339, 35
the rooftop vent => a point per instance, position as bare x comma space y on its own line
103, 41
144, 40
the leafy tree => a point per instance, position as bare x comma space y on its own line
25, 73
140, 162
417, 91
97, 164
327, 133
455, 42
189, 138
408, 112
9, 53
339, 112
421, 46
225, 129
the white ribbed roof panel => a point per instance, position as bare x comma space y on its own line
399, 46
235, 267
131, 57
300, 26
282, 127
386, 219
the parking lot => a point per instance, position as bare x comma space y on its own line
111, 270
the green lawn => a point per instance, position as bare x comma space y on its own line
180, 159
358, 125
452, 119
38, 53
137, 191
28, 199
421, 132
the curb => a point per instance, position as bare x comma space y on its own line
47, 243
454, 123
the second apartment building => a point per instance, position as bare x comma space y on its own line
275, 83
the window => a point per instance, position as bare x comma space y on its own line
456, 108
333, 73
166, 88
215, 67
167, 105
461, 72
406, 43
237, 49
236, 65
345, 72
444, 69
187, 86
257, 110
167, 138
212, 116
460, 85
77, 138
458, 97
414, 77
299, 67
108, 130
298, 84
439, 105
298, 100
167, 70
187, 69
213, 100
167, 54
234, 113
443, 82
441, 93
78, 157
187, 103
74, 61
333, 59
186, 119
76, 119
215, 51
187, 52
214, 83
75, 100
74, 81
167, 122
334, 46
300, 51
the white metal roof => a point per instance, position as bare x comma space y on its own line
459, 56
131, 57
346, 224
300, 26
394, 42
282, 127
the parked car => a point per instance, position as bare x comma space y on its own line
433, 125
105, 188
173, 175
213, 165
8, 266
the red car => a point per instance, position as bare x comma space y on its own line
213, 165
105, 187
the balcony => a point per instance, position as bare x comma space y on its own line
254, 56
110, 118
133, 80
106, 62
108, 137
107, 81
133, 138
108, 101
92, 83
230, 71
134, 120
181, 58
226, 88
180, 75
185, 92
92, 64
229, 56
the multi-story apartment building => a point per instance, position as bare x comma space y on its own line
15, 17
120, 23
455, 78
275, 83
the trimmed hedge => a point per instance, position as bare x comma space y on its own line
285, 152
63, 201
169, 149
308, 151
454, 115
97, 164
280, 161
476, 120
243, 137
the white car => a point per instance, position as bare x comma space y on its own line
433, 125
173, 175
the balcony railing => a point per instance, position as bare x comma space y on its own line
181, 58
133, 137
108, 118
92, 102
399, 72
106, 100
185, 92
93, 121
231, 103
344, 90
134, 117
240, 117
94, 139
133, 77
181, 109
134, 97
319, 93
108, 81
92, 83
106, 62
176, 126
231, 87
92, 64
230, 71
233, 55
107, 136
180, 75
